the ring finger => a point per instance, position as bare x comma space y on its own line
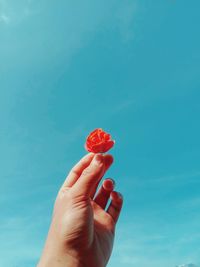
103, 193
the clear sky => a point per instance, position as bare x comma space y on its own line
129, 67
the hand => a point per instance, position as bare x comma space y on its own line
82, 231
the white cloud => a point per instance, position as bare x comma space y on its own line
187, 265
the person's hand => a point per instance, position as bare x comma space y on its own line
82, 231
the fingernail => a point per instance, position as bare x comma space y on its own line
110, 186
98, 158
113, 181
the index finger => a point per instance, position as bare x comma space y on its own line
77, 170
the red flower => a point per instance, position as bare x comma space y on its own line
99, 141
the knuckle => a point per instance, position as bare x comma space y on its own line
87, 171
116, 208
62, 193
92, 170
74, 172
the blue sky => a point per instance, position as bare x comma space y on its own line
130, 67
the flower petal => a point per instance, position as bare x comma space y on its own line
98, 141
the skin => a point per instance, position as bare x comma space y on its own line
82, 231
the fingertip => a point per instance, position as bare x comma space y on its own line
88, 156
109, 157
98, 159
108, 160
109, 184
91, 154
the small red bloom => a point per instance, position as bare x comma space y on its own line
99, 141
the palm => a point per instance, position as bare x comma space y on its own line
91, 228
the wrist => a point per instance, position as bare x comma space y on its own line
59, 261
58, 257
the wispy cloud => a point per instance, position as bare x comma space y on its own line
178, 177
122, 106
67, 38
125, 17
4, 18
187, 265
19, 245
168, 180
139, 241
190, 203
139, 247
22, 231
10, 12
